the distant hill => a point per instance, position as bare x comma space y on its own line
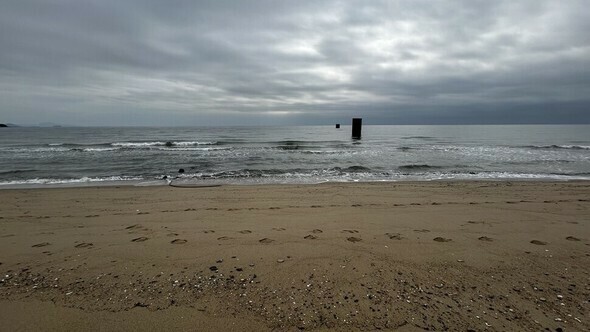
39, 125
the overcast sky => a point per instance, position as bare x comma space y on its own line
114, 62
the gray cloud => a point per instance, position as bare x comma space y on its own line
265, 62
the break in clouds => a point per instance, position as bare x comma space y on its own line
280, 62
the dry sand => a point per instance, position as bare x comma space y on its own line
494, 256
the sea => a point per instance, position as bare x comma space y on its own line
64, 156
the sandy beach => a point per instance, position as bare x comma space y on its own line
461, 256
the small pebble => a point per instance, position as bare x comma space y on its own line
280, 260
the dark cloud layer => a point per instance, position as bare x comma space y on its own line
265, 62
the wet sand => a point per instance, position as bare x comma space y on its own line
493, 256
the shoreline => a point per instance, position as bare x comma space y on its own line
408, 256
196, 184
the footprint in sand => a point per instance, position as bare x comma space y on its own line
354, 239
208, 231
140, 239
223, 238
266, 240
485, 238
539, 243
317, 231
278, 229
422, 230
38, 245
245, 231
394, 236
310, 237
571, 238
442, 239
136, 226
178, 241
349, 231
84, 245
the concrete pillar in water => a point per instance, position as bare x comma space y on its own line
357, 124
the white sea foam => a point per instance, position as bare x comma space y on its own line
193, 143
45, 149
194, 149
160, 143
40, 181
98, 149
137, 144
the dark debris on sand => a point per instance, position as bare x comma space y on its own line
350, 296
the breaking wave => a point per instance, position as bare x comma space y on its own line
161, 143
413, 167
558, 147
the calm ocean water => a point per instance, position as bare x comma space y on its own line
252, 155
